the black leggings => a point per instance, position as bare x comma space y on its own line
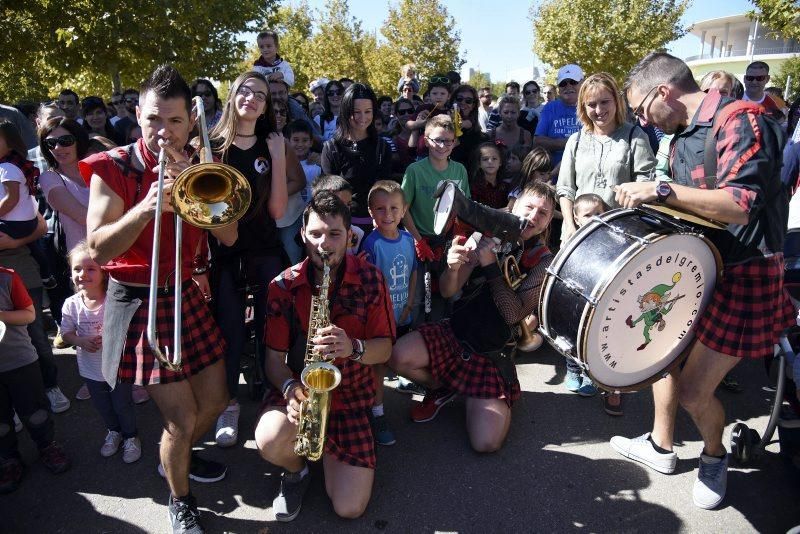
21, 390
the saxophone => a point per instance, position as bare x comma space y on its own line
319, 378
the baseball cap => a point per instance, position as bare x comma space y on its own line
316, 84
569, 72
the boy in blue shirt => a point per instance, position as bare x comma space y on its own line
392, 251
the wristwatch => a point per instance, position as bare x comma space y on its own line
358, 350
663, 191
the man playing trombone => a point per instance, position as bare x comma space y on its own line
190, 393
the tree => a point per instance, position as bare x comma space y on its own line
780, 16
790, 67
604, 35
422, 32
95, 46
479, 79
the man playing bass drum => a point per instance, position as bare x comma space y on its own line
471, 353
360, 334
725, 163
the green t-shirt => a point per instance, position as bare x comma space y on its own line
419, 184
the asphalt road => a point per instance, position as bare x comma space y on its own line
556, 473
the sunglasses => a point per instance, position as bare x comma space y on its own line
565, 83
531, 92
281, 112
205, 94
755, 78
260, 96
333, 92
441, 143
64, 140
132, 100
405, 111
440, 79
468, 100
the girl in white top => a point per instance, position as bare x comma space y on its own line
82, 326
17, 206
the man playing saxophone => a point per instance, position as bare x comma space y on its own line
361, 333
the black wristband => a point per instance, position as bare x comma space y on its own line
492, 271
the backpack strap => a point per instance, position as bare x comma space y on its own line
724, 112
127, 169
630, 151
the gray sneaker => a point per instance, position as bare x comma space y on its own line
641, 450
184, 516
290, 497
712, 479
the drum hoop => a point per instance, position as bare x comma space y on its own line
583, 326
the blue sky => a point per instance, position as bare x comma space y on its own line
496, 37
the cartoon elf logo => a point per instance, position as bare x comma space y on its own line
655, 304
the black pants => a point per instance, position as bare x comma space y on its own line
47, 362
21, 390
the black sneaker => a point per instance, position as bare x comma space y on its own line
184, 516
202, 470
290, 497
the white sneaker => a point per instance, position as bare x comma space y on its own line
228, 426
641, 450
111, 445
17, 423
131, 450
712, 480
58, 402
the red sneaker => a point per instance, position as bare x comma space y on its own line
426, 410
10, 475
54, 458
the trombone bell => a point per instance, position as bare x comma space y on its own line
209, 195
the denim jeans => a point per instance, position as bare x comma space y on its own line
230, 302
288, 235
114, 406
47, 362
21, 390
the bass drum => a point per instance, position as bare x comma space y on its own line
623, 295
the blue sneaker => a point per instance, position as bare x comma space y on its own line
587, 389
573, 381
381, 431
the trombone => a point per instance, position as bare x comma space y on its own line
206, 195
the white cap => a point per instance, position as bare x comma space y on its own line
316, 84
569, 72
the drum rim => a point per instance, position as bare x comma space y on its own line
582, 335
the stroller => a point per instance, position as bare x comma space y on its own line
746, 443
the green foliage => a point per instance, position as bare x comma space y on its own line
790, 67
604, 35
780, 16
479, 79
93, 46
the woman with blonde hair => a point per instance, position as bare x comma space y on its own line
721, 80
605, 152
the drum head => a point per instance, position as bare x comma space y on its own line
443, 209
645, 316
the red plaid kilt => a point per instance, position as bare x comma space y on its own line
349, 438
476, 376
748, 311
202, 343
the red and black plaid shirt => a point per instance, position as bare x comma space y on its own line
748, 168
361, 307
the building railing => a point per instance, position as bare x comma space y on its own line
742, 52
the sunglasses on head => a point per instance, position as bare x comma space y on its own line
333, 92
567, 82
468, 100
755, 78
440, 79
63, 140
